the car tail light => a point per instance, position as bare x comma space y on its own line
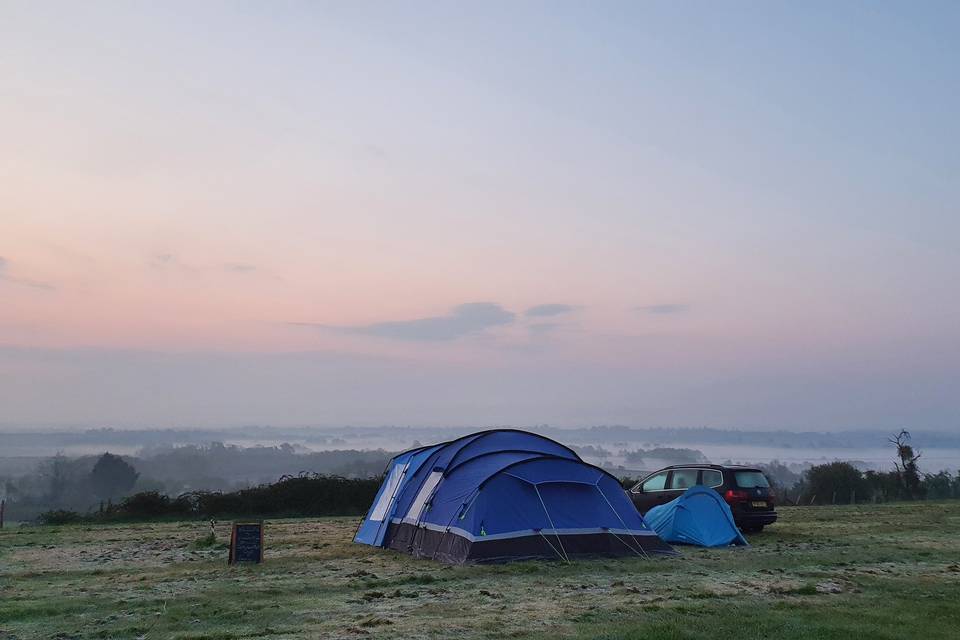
734, 495
771, 497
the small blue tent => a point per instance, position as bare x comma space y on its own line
699, 516
502, 495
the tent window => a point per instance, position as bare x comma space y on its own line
416, 509
388, 493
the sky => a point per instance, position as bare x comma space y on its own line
736, 215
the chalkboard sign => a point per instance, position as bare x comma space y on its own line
246, 542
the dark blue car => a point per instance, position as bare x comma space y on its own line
745, 489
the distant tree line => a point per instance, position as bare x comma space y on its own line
843, 483
61, 482
89, 483
667, 455
222, 466
110, 487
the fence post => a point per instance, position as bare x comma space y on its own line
3, 504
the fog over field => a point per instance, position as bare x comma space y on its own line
619, 447
43, 470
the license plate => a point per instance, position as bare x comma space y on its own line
759, 505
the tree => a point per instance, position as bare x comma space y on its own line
939, 485
835, 482
907, 469
884, 485
780, 476
112, 476
55, 474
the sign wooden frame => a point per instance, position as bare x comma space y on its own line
233, 559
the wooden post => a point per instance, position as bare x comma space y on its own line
3, 504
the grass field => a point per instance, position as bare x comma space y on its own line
886, 571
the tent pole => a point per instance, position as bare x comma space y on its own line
550, 520
550, 544
423, 511
462, 510
392, 506
639, 555
625, 527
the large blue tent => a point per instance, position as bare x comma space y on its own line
698, 516
500, 495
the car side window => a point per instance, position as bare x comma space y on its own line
655, 482
683, 479
712, 478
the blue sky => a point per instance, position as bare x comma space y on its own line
574, 213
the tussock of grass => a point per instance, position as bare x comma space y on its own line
209, 541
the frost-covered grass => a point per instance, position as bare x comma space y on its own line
886, 571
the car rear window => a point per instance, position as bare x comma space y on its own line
683, 478
712, 478
750, 479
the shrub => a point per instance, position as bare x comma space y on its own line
60, 516
835, 482
303, 495
306, 495
942, 485
146, 505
